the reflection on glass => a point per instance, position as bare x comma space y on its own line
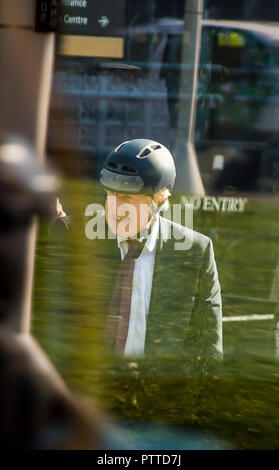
96, 104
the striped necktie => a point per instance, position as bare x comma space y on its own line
120, 304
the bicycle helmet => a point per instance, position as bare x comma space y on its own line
140, 166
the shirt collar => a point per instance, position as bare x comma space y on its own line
151, 239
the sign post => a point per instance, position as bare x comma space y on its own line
189, 179
85, 28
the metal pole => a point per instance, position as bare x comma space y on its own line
188, 175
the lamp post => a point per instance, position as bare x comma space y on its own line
188, 177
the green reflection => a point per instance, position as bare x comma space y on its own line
238, 399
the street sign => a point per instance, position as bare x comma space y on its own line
81, 17
91, 46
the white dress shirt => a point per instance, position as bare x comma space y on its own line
141, 291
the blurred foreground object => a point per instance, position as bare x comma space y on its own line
36, 409
26, 189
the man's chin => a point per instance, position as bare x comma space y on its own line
125, 234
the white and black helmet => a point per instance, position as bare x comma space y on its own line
138, 166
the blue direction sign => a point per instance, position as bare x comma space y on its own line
80, 17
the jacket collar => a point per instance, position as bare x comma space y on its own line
173, 232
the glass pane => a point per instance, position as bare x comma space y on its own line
97, 103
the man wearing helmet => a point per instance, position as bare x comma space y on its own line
166, 300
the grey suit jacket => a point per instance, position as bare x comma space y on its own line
185, 313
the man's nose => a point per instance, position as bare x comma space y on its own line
122, 209
121, 201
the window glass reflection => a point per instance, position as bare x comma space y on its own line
98, 103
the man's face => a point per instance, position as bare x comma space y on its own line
127, 214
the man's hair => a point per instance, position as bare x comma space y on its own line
162, 196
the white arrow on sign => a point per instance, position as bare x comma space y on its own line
103, 21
